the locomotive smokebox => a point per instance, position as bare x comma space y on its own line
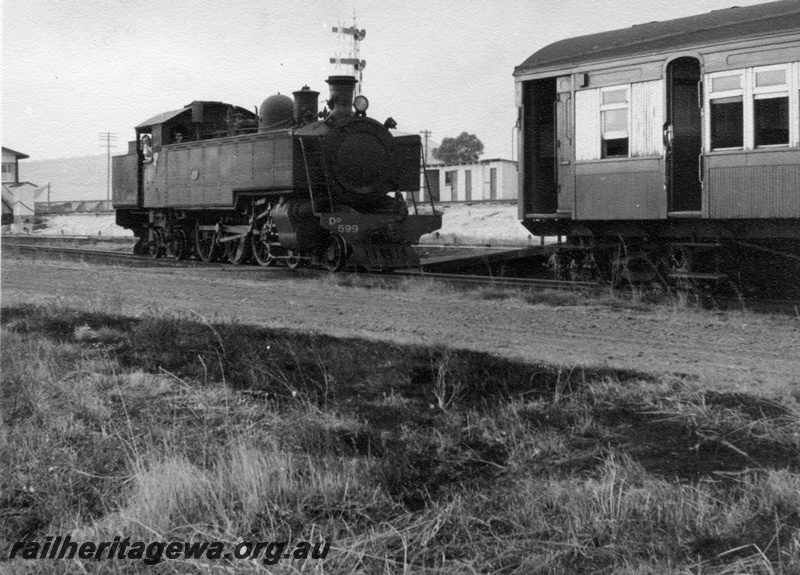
306, 105
341, 102
275, 113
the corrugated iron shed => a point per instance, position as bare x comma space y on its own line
655, 37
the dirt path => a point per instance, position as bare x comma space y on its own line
740, 350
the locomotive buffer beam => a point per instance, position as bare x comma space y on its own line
355, 228
380, 241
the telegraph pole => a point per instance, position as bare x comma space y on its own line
106, 139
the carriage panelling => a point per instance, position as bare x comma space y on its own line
754, 185
630, 189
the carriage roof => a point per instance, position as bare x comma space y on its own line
719, 26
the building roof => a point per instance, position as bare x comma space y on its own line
440, 164
729, 24
19, 155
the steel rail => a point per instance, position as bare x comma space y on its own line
789, 307
123, 258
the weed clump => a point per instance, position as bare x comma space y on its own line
406, 458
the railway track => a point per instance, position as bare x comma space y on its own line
31, 249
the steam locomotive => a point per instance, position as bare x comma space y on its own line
288, 185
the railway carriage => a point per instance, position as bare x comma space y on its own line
668, 149
288, 184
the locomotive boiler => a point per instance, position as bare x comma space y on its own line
285, 185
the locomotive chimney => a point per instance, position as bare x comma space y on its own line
306, 105
341, 102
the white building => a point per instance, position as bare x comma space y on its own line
11, 160
18, 197
485, 180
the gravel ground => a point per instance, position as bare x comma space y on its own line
733, 350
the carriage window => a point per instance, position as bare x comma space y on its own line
727, 111
614, 122
771, 124
727, 115
726, 83
770, 78
770, 107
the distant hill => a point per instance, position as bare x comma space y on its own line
81, 178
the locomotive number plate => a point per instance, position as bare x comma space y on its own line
342, 228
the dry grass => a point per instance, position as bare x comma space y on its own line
407, 459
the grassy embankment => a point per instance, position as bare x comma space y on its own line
406, 459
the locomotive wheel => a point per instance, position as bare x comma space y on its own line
155, 246
336, 253
207, 246
238, 251
292, 260
178, 246
262, 253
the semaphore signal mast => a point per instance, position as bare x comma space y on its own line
353, 59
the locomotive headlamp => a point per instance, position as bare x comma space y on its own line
361, 104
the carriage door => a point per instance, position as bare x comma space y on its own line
683, 137
565, 166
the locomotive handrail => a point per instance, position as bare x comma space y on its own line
427, 183
325, 170
308, 175
413, 199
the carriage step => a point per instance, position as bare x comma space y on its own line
697, 276
696, 245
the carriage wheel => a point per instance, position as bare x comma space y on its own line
155, 246
179, 247
238, 251
336, 253
207, 246
262, 252
292, 259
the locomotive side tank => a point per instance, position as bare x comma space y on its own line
218, 181
668, 149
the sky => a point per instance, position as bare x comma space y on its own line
73, 69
